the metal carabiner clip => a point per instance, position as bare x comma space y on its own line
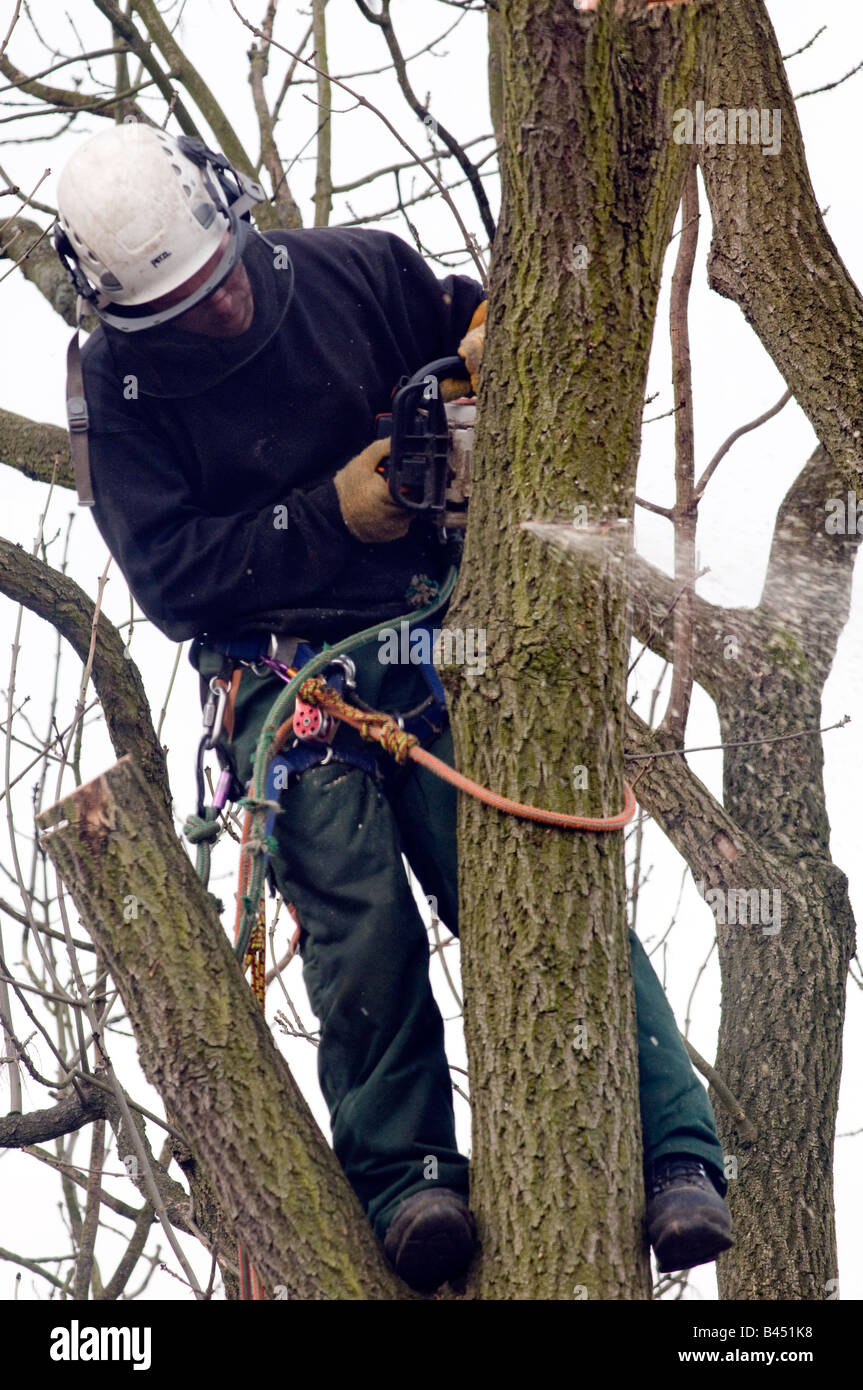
348, 665
214, 711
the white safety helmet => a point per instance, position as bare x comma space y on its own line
142, 211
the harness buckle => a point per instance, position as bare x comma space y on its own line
77, 414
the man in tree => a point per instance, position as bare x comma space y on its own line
232, 389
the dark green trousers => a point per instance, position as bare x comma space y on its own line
381, 1060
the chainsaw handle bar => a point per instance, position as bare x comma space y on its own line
417, 470
441, 368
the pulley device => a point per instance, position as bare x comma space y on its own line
429, 466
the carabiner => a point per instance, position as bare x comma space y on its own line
214, 711
349, 668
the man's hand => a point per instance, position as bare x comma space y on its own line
369, 512
470, 348
472, 344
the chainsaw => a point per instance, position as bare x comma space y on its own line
429, 465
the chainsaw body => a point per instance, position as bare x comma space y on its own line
429, 466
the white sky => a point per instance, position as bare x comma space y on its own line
734, 381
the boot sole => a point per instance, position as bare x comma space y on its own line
432, 1248
682, 1245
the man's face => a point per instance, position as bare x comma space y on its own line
226, 313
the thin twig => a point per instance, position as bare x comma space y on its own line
11, 27
164, 709
828, 86
369, 106
745, 1127
733, 438
818, 32
742, 743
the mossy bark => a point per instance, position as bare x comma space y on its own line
591, 183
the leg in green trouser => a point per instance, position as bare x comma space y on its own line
382, 1063
381, 1059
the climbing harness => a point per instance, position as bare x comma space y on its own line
373, 726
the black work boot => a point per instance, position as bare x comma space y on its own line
688, 1222
431, 1238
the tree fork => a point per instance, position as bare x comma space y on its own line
205, 1045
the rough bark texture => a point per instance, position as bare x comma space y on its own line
780, 1042
591, 184
39, 451
208, 1050
24, 242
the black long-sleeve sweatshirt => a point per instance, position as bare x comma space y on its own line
212, 459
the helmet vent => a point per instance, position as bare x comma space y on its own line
204, 212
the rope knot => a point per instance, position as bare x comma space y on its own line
397, 742
200, 830
313, 690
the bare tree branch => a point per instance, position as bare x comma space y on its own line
287, 213
733, 438
685, 509
323, 172
67, 1116
369, 106
384, 23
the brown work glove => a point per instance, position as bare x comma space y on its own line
470, 348
369, 512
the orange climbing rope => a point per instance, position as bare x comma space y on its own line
383, 729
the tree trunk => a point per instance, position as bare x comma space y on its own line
591, 183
